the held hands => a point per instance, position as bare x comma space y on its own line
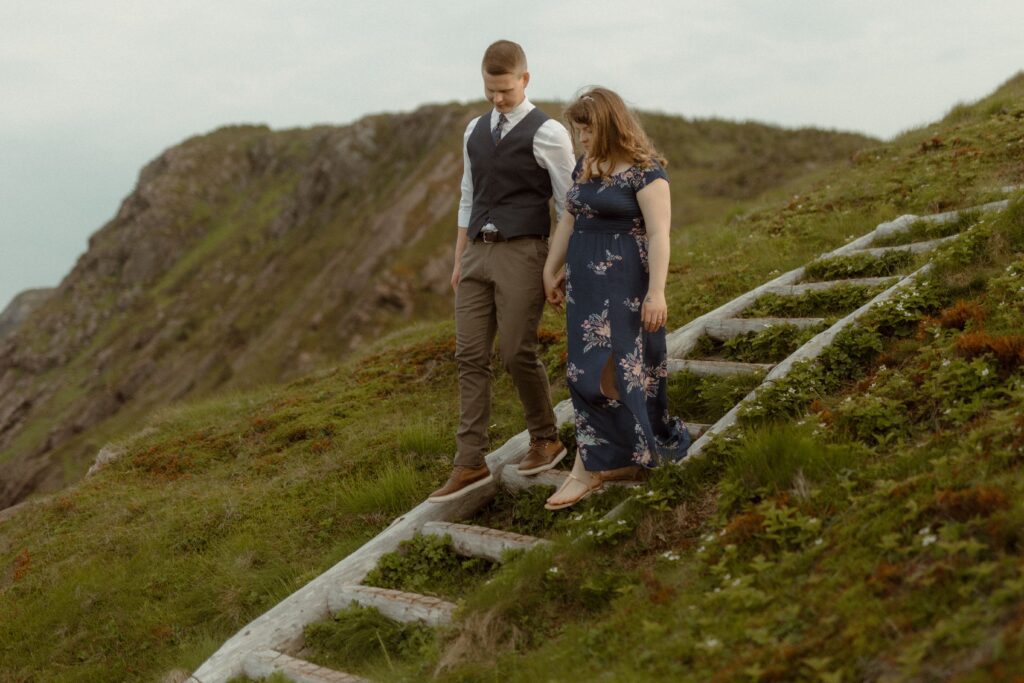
654, 312
554, 288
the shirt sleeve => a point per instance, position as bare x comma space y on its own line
552, 148
466, 201
646, 176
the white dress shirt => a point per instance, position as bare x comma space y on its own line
552, 148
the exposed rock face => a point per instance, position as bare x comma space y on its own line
21, 307
243, 256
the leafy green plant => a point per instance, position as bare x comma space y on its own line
858, 265
837, 300
849, 353
357, 636
770, 345
428, 564
900, 314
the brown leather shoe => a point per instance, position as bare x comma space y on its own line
462, 481
543, 455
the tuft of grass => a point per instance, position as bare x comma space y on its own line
425, 438
706, 399
393, 489
778, 458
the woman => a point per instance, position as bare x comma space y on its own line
614, 243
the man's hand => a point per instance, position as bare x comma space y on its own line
654, 312
456, 275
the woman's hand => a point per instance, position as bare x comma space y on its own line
554, 288
654, 312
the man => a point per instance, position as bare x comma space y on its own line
515, 159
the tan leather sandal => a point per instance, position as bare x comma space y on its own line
591, 488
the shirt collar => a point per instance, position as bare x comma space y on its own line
514, 116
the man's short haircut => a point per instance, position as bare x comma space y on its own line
504, 57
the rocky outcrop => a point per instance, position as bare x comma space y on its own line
21, 306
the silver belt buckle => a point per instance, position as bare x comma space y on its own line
490, 236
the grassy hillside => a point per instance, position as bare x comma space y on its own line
877, 540
249, 256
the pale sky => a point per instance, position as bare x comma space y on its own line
91, 90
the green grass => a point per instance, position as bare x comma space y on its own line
705, 399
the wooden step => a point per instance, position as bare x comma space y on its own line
264, 663
720, 368
804, 287
397, 605
728, 328
913, 247
479, 541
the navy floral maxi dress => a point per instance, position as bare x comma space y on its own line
606, 281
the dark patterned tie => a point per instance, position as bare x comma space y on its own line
496, 133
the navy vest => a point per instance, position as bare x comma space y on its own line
509, 188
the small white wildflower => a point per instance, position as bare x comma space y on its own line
670, 556
819, 541
590, 532
929, 539
709, 538
717, 590
984, 373
926, 530
735, 582
712, 643
726, 577
621, 522
553, 570
701, 549
945, 362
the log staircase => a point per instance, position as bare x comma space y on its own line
261, 648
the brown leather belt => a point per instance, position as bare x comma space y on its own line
492, 237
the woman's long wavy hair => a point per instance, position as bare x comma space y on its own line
616, 133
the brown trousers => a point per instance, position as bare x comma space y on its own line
501, 290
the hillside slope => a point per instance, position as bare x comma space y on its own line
223, 507
248, 256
